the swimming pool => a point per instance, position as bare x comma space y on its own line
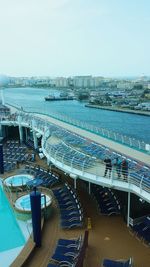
23, 202
18, 180
10, 234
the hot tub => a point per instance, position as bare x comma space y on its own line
23, 202
18, 180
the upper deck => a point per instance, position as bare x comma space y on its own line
81, 153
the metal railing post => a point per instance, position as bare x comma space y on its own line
122, 139
139, 143
128, 211
141, 184
112, 175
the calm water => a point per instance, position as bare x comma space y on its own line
31, 99
25, 204
10, 233
18, 180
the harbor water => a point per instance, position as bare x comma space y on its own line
32, 100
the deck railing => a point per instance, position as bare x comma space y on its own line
111, 135
77, 162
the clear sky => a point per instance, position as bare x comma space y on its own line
75, 37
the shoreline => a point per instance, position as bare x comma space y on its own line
144, 113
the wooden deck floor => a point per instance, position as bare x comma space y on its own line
108, 238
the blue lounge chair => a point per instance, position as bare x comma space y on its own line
61, 264
68, 215
115, 263
73, 224
66, 250
67, 242
52, 265
68, 257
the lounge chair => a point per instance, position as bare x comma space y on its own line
69, 257
52, 265
61, 264
117, 263
66, 215
67, 242
70, 250
72, 224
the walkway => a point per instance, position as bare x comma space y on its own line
78, 164
137, 155
108, 238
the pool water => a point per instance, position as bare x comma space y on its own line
10, 233
23, 203
18, 180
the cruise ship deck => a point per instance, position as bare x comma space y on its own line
79, 156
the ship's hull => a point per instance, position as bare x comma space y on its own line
58, 98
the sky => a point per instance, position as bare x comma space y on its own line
75, 37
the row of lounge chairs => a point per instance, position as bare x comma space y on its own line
71, 214
13, 153
117, 263
71, 155
70, 252
82, 146
30, 143
9, 165
142, 230
78, 152
47, 178
11, 147
108, 203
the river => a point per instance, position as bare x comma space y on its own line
32, 99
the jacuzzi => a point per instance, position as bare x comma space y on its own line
23, 202
18, 180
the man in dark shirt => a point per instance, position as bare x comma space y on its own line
108, 166
125, 169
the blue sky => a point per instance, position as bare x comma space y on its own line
75, 37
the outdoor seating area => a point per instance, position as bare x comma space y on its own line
142, 230
71, 214
107, 201
90, 151
94, 150
30, 143
81, 153
14, 153
117, 263
70, 253
9, 165
70, 155
74, 140
43, 177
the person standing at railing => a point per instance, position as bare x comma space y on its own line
118, 164
108, 167
125, 169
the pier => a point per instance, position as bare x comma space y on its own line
117, 109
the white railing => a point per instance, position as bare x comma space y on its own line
117, 137
86, 167
95, 174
